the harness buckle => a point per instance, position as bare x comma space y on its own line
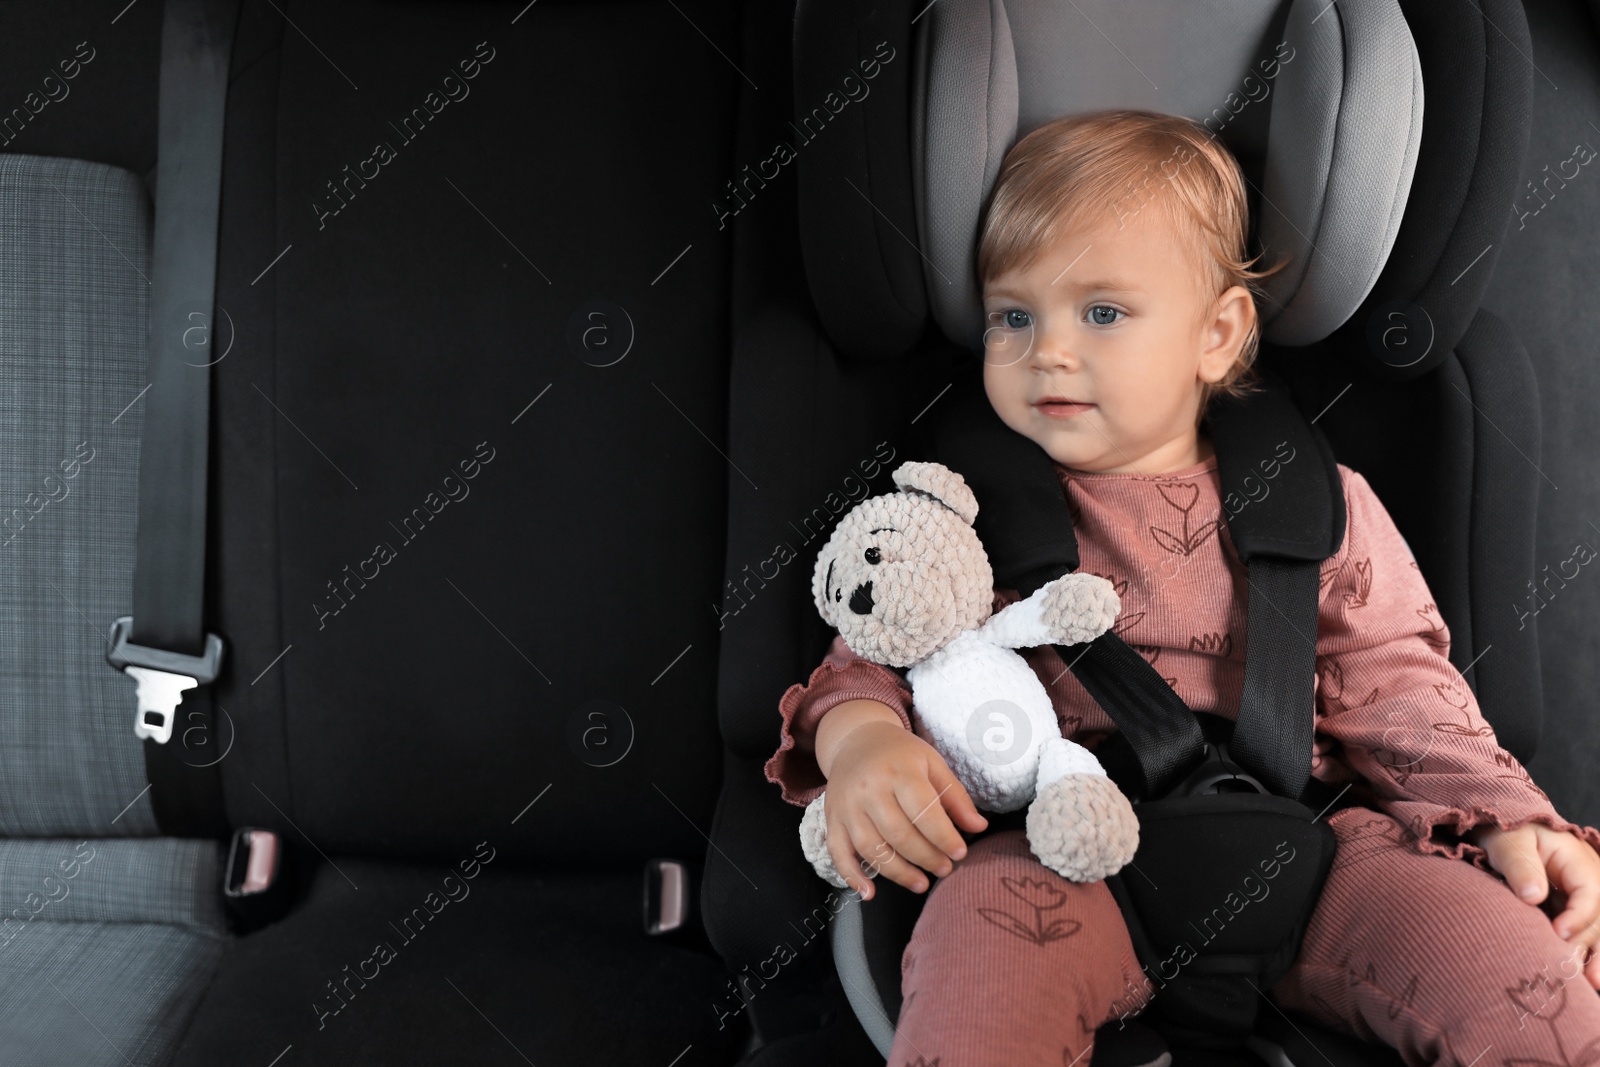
162, 677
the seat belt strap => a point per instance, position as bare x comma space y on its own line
1285, 505
163, 645
169, 573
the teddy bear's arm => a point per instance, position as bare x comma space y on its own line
1018, 625
1071, 609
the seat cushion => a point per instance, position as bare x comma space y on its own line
382, 963
105, 947
100, 992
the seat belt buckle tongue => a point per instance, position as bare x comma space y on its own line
161, 676
257, 882
252, 862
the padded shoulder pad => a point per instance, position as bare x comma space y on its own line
1281, 492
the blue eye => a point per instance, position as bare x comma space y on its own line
1103, 307
1009, 319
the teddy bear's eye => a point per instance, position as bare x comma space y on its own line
874, 556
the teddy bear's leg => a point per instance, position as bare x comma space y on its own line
1079, 825
814, 843
1060, 757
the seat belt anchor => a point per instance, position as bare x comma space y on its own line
162, 677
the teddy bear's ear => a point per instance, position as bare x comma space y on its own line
940, 482
818, 581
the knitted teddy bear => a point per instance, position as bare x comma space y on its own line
907, 583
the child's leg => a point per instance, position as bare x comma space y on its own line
1437, 959
1011, 963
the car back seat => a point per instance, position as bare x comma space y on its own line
108, 932
502, 353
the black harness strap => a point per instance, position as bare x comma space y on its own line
1279, 673
1285, 506
1165, 736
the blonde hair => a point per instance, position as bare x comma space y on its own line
1078, 170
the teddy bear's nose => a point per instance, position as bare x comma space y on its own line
861, 599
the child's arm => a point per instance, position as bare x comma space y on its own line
1410, 726
1404, 718
841, 676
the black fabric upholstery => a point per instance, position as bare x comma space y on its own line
512, 644
506, 967
825, 434
107, 113
1505, 498
457, 695
1459, 484
1543, 289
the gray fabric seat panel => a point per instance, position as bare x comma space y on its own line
73, 297
108, 935
92, 993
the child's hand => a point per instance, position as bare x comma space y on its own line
1532, 858
890, 799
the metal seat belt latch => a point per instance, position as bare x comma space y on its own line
162, 677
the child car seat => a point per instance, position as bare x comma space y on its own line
1382, 231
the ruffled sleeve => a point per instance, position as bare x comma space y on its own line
1402, 716
841, 676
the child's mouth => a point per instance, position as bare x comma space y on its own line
1058, 410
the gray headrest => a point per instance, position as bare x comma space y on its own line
1344, 75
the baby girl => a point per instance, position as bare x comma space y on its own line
1457, 922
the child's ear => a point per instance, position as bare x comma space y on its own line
1223, 339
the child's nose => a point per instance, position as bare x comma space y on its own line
1049, 352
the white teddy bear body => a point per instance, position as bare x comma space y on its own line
982, 706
